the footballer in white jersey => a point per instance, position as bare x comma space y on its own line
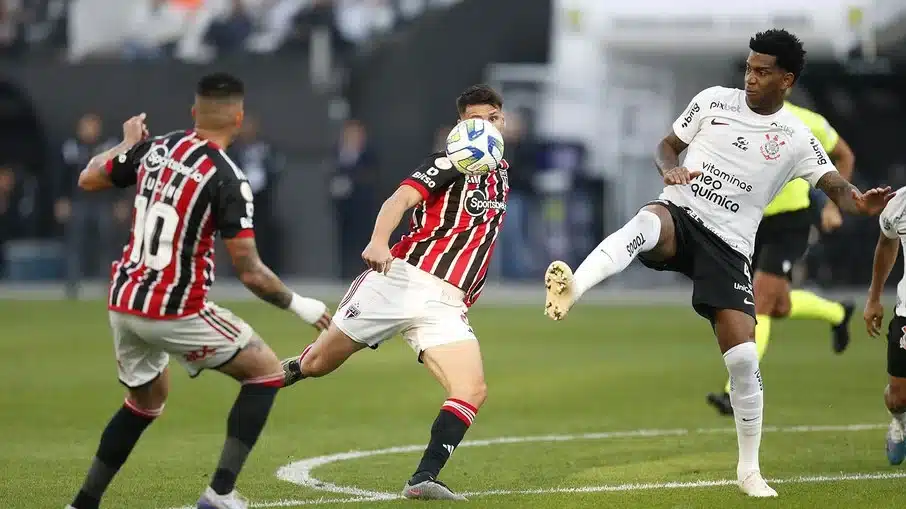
742, 147
893, 233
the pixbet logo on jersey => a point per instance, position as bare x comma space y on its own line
477, 203
724, 106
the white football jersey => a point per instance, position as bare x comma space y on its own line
893, 225
745, 159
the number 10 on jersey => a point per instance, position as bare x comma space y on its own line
153, 233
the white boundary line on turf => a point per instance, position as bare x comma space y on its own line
300, 472
598, 489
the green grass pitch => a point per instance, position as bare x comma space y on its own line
604, 369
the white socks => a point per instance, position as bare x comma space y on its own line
747, 399
617, 251
901, 418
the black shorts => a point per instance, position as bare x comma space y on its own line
782, 240
896, 347
721, 277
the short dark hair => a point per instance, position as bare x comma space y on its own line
220, 85
784, 46
478, 94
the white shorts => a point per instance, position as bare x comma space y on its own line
425, 309
208, 339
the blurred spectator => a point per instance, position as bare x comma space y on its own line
262, 166
516, 243
12, 27
158, 27
360, 20
230, 32
88, 220
276, 22
352, 189
7, 212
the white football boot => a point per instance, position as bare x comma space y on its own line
211, 500
753, 485
558, 279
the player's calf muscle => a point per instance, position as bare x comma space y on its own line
895, 395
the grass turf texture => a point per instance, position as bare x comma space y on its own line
602, 369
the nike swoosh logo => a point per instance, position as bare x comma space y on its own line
715, 122
747, 301
749, 420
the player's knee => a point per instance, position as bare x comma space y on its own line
781, 308
150, 399
474, 392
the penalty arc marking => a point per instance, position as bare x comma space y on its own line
300, 472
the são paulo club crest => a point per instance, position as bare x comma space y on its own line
771, 147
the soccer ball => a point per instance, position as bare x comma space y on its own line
475, 147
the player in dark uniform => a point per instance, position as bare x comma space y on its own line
187, 190
422, 289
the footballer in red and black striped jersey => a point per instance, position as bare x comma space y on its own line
452, 232
187, 189
423, 286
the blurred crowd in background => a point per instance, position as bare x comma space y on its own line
560, 203
193, 30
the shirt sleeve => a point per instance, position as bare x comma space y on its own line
123, 169
813, 162
891, 218
233, 206
433, 176
687, 125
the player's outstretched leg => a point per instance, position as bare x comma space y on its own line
734, 330
258, 369
326, 354
895, 399
809, 306
642, 233
458, 367
142, 406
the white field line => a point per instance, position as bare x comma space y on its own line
300, 472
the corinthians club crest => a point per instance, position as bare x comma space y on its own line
771, 148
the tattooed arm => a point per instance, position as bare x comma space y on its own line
850, 199
254, 274
261, 280
233, 209
839, 191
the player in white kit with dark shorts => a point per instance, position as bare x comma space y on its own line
422, 289
742, 147
893, 234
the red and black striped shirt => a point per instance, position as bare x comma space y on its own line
453, 231
187, 189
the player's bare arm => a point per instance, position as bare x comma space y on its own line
94, 177
885, 256
666, 158
850, 199
260, 280
377, 253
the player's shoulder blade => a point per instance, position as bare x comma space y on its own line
226, 168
